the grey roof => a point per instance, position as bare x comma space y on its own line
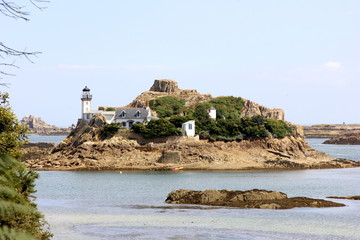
131, 113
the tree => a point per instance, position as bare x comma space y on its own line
167, 106
15, 11
157, 128
19, 217
12, 133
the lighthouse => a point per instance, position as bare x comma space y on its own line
86, 104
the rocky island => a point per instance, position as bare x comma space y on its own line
330, 130
40, 127
245, 199
345, 139
243, 135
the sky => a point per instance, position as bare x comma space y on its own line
300, 56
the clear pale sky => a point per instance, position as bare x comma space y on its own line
301, 56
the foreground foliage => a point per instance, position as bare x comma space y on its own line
19, 217
12, 133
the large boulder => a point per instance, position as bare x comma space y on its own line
252, 109
164, 85
218, 196
245, 199
345, 139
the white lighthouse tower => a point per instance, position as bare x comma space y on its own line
86, 104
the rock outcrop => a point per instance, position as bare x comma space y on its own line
348, 197
245, 199
251, 109
345, 139
164, 85
330, 130
38, 126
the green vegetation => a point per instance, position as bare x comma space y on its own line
229, 125
157, 128
243, 128
109, 109
227, 107
110, 130
19, 217
167, 106
12, 134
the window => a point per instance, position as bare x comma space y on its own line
137, 114
124, 124
190, 126
122, 114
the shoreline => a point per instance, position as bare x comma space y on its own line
199, 169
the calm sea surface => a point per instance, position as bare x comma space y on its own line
130, 205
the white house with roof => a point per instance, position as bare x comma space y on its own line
189, 128
126, 116
129, 116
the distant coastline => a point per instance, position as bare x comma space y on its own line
330, 130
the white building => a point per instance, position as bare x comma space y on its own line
189, 128
212, 113
126, 116
129, 116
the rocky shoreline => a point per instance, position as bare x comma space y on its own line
345, 139
40, 127
255, 198
330, 130
85, 150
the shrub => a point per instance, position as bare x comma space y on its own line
157, 128
179, 120
278, 128
109, 109
167, 106
12, 134
227, 107
110, 130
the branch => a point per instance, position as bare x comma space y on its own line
11, 9
5, 50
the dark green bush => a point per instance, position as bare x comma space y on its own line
110, 130
157, 128
167, 106
227, 107
179, 120
278, 128
109, 109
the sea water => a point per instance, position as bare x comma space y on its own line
130, 205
